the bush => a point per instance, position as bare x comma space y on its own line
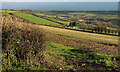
22, 44
73, 24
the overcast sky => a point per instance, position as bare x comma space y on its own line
59, 0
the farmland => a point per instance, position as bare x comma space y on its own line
56, 48
35, 19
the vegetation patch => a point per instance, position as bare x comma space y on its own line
77, 54
22, 46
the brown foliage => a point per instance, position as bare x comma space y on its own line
22, 42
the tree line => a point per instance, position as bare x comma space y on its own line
95, 29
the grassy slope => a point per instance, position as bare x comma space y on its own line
82, 35
36, 20
32, 18
88, 41
74, 53
96, 42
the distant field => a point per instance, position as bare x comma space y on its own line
77, 14
108, 16
97, 15
64, 22
36, 20
40, 14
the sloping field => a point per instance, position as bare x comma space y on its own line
88, 41
83, 35
36, 20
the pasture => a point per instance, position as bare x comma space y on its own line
35, 19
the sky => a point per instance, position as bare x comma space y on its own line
60, 0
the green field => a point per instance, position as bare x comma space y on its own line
32, 18
103, 16
75, 53
36, 20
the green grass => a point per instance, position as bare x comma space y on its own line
75, 53
36, 20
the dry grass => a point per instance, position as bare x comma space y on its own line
82, 35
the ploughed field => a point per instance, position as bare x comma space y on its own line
64, 50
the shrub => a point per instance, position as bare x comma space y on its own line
22, 44
73, 24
